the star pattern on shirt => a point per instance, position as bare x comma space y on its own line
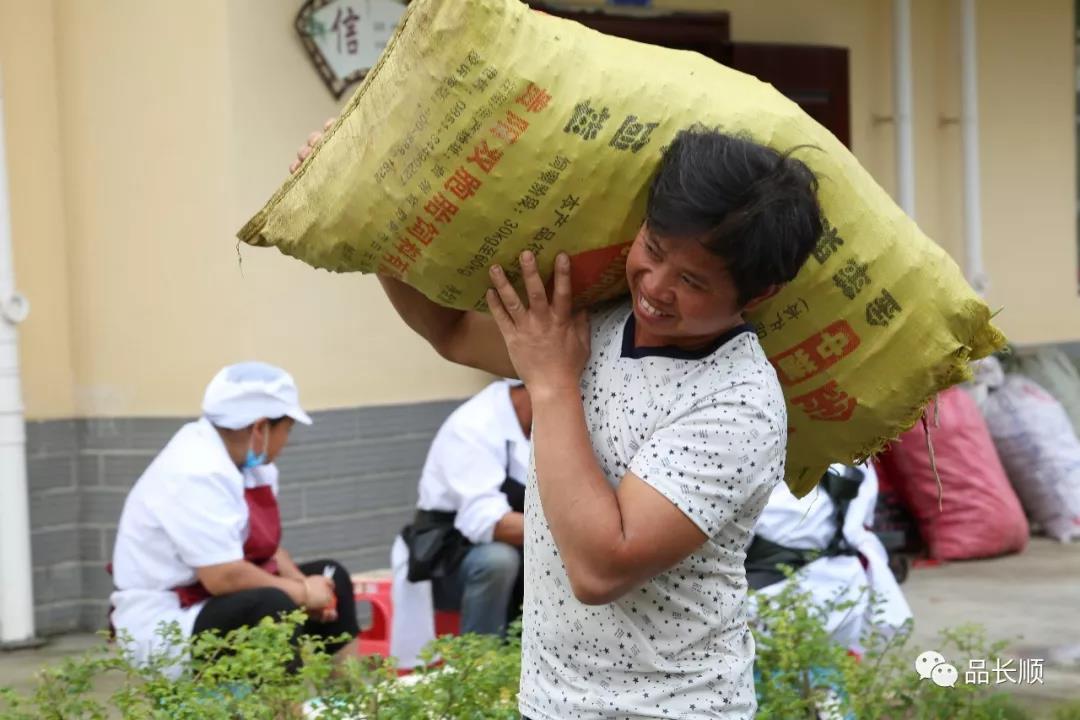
684, 426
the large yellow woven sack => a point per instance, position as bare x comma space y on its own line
487, 128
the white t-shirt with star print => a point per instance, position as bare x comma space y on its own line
708, 430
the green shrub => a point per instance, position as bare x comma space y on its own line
1069, 711
800, 671
243, 675
240, 675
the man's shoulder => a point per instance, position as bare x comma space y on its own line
740, 378
197, 448
740, 347
189, 467
741, 362
610, 316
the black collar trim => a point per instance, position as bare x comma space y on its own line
670, 351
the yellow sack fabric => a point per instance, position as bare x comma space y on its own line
487, 128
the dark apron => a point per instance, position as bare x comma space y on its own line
764, 557
264, 537
436, 547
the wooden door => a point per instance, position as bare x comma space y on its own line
815, 77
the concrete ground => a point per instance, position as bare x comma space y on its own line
1032, 600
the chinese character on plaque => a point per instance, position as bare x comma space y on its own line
346, 37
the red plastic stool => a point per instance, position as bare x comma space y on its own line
375, 587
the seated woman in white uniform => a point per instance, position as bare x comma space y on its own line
199, 538
825, 538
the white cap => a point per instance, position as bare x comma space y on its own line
243, 393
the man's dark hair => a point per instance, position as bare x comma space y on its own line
754, 207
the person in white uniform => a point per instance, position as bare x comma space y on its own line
198, 543
825, 538
463, 549
659, 432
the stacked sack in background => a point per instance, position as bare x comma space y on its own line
1054, 372
973, 512
1005, 445
1037, 442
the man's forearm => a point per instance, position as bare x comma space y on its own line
464, 337
243, 575
286, 567
580, 505
510, 529
429, 320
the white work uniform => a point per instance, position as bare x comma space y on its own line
807, 524
708, 431
186, 511
479, 445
